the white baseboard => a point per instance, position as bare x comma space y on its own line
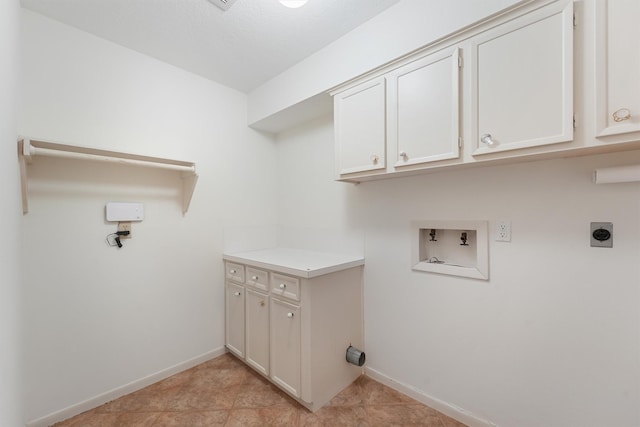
136, 385
437, 404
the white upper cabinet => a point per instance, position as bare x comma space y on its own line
617, 67
522, 81
409, 115
423, 110
360, 130
532, 82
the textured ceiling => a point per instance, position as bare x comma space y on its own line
242, 48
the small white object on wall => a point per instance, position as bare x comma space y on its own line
503, 231
124, 211
617, 174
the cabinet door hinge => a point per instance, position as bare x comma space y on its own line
460, 142
459, 61
574, 122
575, 24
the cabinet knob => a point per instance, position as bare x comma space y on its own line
237, 294
289, 314
403, 154
487, 140
232, 271
621, 115
282, 286
375, 158
254, 277
261, 303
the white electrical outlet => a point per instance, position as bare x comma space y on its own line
503, 231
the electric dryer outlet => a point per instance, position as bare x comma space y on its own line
601, 234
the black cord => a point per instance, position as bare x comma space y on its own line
113, 239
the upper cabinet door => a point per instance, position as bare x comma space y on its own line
522, 81
617, 67
360, 130
423, 110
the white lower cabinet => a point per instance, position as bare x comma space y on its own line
296, 333
257, 330
285, 345
234, 318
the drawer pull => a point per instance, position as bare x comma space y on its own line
232, 271
237, 294
289, 314
254, 277
621, 115
283, 286
488, 140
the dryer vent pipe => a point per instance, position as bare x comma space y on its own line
355, 356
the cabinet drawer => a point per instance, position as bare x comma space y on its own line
234, 272
285, 286
258, 278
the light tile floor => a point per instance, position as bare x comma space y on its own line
225, 392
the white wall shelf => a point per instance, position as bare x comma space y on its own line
27, 148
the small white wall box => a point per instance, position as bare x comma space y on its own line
457, 248
125, 211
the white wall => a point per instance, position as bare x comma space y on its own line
552, 339
98, 317
402, 28
10, 301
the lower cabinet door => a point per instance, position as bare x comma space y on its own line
257, 330
234, 318
285, 345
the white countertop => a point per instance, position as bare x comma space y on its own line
296, 262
